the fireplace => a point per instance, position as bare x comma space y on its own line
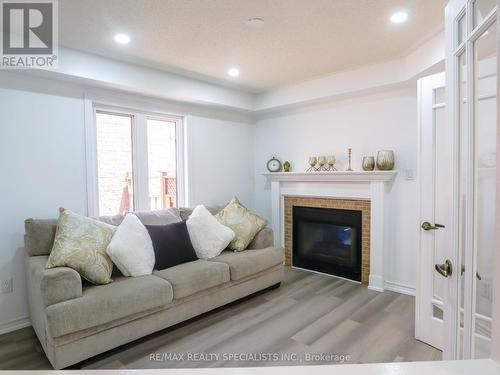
368, 192
328, 240
341, 205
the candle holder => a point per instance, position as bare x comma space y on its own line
349, 150
321, 163
312, 164
330, 160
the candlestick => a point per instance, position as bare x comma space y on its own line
349, 150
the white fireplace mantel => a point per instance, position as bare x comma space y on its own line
374, 186
332, 176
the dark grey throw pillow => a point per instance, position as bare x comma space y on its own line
171, 244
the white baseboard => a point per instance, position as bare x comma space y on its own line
12, 325
376, 282
400, 288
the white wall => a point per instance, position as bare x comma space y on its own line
220, 161
367, 124
42, 166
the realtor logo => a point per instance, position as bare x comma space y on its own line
29, 34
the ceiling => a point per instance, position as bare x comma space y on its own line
300, 40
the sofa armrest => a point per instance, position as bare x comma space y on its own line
263, 239
60, 284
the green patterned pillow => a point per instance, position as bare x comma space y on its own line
243, 222
81, 243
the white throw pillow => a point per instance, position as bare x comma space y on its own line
131, 248
208, 236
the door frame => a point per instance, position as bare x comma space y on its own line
451, 315
495, 308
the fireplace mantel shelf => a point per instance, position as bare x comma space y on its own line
341, 176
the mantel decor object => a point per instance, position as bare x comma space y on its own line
321, 163
349, 152
330, 160
273, 165
368, 163
385, 160
287, 166
312, 164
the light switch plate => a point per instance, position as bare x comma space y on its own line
409, 174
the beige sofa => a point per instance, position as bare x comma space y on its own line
75, 320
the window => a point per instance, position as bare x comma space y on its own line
114, 163
162, 166
135, 161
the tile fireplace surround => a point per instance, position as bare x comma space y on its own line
368, 192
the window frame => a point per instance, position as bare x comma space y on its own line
139, 153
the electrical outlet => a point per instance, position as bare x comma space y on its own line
7, 286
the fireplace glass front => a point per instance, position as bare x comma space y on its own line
328, 240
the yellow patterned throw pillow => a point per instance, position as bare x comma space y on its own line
243, 222
80, 243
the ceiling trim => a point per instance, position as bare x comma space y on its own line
97, 71
105, 72
367, 79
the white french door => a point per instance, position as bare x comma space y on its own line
435, 214
471, 29
458, 182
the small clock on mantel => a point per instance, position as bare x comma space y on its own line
274, 165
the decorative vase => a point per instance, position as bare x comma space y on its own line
368, 163
385, 160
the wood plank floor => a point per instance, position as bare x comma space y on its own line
309, 314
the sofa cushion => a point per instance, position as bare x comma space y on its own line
102, 304
159, 217
172, 245
114, 220
40, 233
131, 249
263, 239
80, 243
244, 223
39, 237
250, 262
186, 212
192, 277
208, 236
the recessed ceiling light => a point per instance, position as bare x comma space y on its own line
399, 17
255, 22
233, 72
122, 38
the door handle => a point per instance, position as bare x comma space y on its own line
428, 226
444, 269
462, 271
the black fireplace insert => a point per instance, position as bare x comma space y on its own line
328, 240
